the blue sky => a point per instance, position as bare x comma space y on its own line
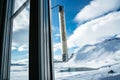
81, 16
71, 8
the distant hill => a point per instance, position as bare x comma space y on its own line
107, 51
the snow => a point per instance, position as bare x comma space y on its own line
19, 70
105, 52
92, 62
100, 74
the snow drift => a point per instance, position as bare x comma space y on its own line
99, 54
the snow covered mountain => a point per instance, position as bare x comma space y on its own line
105, 52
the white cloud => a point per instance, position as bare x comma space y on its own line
20, 40
20, 28
56, 46
55, 31
97, 8
57, 35
21, 21
23, 48
14, 48
89, 32
58, 57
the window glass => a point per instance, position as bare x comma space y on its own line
20, 42
18, 4
86, 39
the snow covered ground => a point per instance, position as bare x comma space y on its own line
19, 70
89, 74
92, 62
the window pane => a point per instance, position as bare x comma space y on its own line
20, 42
86, 39
18, 4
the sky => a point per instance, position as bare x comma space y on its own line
87, 22
20, 33
71, 9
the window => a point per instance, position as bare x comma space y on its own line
18, 4
40, 62
86, 39
20, 41
87, 43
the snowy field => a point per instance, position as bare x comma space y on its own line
19, 70
84, 73
100, 61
